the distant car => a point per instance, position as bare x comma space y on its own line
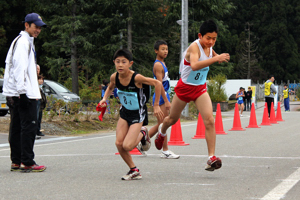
3, 107
59, 91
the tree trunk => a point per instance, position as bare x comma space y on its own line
129, 28
74, 68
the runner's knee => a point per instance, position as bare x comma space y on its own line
118, 144
127, 147
209, 122
172, 121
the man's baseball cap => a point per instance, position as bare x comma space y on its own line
35, 18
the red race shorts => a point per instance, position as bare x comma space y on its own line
189, 93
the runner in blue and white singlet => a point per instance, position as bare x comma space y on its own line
165, 82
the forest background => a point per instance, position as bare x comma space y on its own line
76, 48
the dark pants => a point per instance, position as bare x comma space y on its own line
22, 132
248, 104
286, 104
39, 117
269, 101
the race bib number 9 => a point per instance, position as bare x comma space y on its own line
198, 77
129, 100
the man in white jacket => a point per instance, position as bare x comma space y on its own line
20, 83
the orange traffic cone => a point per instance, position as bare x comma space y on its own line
252, 121
278, 114
272, 115
236, 120
218, 122
265, 120
134, 151
176, 135
200, 132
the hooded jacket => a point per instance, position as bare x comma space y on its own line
20, 75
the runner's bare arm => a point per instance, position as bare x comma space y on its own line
195, 55
109, 89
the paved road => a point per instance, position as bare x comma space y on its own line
259, 163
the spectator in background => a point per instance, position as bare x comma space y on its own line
38, 134
41, 107
104, 87
38, 69
244, 99
248, 99
113, 94
286, 98
21, 61
270, 92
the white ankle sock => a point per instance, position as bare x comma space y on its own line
166, 152
164, 135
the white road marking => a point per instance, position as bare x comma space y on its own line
188, 184
282, 189
80, 138
158, 155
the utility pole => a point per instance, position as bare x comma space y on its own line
184, 40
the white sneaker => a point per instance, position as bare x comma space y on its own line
171, 155
141, 150
241, 115
132, 175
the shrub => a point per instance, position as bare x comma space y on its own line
215, 88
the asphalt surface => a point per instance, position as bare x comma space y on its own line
258, 163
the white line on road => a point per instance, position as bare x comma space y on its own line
80, 138
155, 155
188, 184
44, 140
282, 189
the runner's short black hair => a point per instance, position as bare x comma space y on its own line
208, 26
123, 52
158, 43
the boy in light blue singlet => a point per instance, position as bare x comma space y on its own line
239, 96
133, 112
160, 73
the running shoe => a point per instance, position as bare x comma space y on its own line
15, 167
133, 174
140, 148
170, 155
32, 168
147, 144
213, 163
159, 139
